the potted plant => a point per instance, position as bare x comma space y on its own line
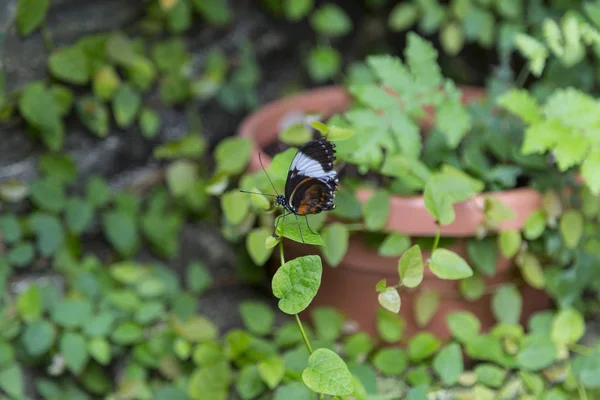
424, 165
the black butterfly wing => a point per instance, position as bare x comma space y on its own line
313, 195
313, 160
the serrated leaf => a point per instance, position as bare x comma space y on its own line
427, 303
335, 236
521, 103
446, 264
390, 299
296, 283
327, 373
534, 51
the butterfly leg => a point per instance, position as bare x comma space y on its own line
300, 228
277, 222
309, 228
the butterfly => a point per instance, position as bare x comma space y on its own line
311, 182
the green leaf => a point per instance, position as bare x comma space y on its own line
509, 242
196, 329
271, 371
39, 108
48, 195
438, 204
69, 64
73, 348
537, 352
38, 337
427, 303
390, 299
257, 317
121, 231
336, 133
126, 105
473, 287
463, 325
402, 17
294, 390
235, 206
72, 313
391, 362
31, 14
422, 346
210, 382
507, 304
21, 255
377, 210
99, 325
198, 277
394, 245
327, 373
181, 176
119, 49
79, 215
232, 155
531, 270
389, 326
100, 351
98, 193
249, 383
331, 20
358, 345
490, 375
323, 63
456, 184
59, 166
94, 115
11, 381
328, 323
296, 283
29, 304
446, 264
217, 12
588, 171
149, 121
10, 228
127, 333
192, 145
335, 236
295, 10
295, 134
298, 231
179, 18
452, 38
105, 82
521, 103
571, 228
255, 243
448, 364
568, 326
483, 253
587, 368
411, 268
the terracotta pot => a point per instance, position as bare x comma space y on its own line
350, 287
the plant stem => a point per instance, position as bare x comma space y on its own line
522, 76
281, 251
582, 392
306, 341
437, 238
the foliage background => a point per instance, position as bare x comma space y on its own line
115, 277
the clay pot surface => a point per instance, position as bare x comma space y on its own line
350, 287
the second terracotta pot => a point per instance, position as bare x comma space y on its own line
350, 287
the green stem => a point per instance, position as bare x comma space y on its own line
306, 341
281, 251
437, 238
522, 76
582, 392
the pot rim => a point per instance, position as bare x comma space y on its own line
407, 214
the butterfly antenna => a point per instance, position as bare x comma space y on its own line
263, 167
264, 194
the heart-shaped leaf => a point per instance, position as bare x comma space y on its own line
256, 245
335, 236
390, 299
327, 373
296, 283
410, 267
